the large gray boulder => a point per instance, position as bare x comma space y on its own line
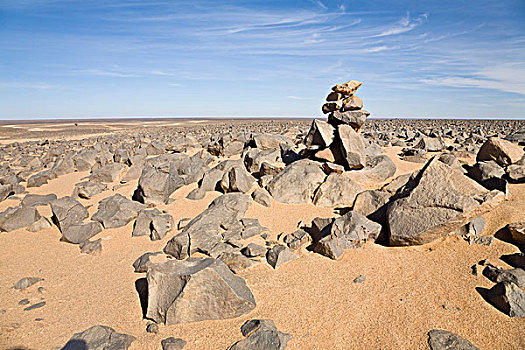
270, 141
444, 340
67, 211
435, 203
254, 158
431, 144
297, 183
111, 172
336, 191
261, 335
237, 179
349, 148
196, 290
208, 228
116, 211
99, 338
156, 184
501, 151
81, 232
142, 226
378, 169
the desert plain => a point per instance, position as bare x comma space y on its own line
374, 286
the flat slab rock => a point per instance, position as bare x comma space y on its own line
194, 290
445, 340
437, 202
99, 338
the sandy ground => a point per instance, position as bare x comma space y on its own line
313, 298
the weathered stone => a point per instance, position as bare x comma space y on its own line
81, 232
501, 151
157, 183
496, 275
33, 200
237, 179
431, 144
99, 338
336, 191
236, 262
261, 335
437, 201
116, 211
482, 171
142, 226
331, 106
204, 231
321, 133
269, 141
445, 340
67, 211
508, 298
349, 148
334, 96
354, 229
370, 202
91, 247
40, 224
516, 172
6, 191
354, 119
278, 255
144, 261
348, 88
195, 290
254, 158
517, 231
296, 239
262, 197
333, 168
160, 226
326, 155
15, 218
253, 250
297, 183
111, 172
87, 189
352, 103
173, 344
27, 282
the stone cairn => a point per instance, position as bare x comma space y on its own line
337, 142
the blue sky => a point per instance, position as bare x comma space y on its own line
109, 58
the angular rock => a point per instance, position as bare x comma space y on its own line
517, 231
262, 197
116, 211
370, 201
269, 141
278, 255
143, 262
6, 191
377, 169
27, 282
99, 338
196, 194
253, 250
196, 290
354, 229
508, 298
254, 158
157, 183
349, 148
496, 275
67, 211
296, 239
437, 201
142, 226
297, 183
352, 103
40, 224
336, 191
431, 144
33, 200
87, 189
501, 151
261, 335
91, 247
331, 106
321, 133
482, 171
160, 226
237, 179
236, 262
445, 340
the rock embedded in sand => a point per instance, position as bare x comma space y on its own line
81, 232
278, 255
160, 226
297, 183
142, 226
99, 338
15, 218
27, 282
111, 172
496, 275
91, 247
436, 202
156, 184
88, 189
501, 151
194, 290
262, 197
172, 343
33, 200
261, 334
445, 340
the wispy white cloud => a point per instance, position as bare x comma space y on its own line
175, 84
106, 73
299, 98
320, 4
27, 85
405, 24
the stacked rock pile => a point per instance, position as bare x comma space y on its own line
338, 141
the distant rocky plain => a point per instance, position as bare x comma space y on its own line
174, 233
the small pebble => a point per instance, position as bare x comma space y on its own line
23, 302
474, 269
152, 328
360, 279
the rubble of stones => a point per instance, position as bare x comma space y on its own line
319, 163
